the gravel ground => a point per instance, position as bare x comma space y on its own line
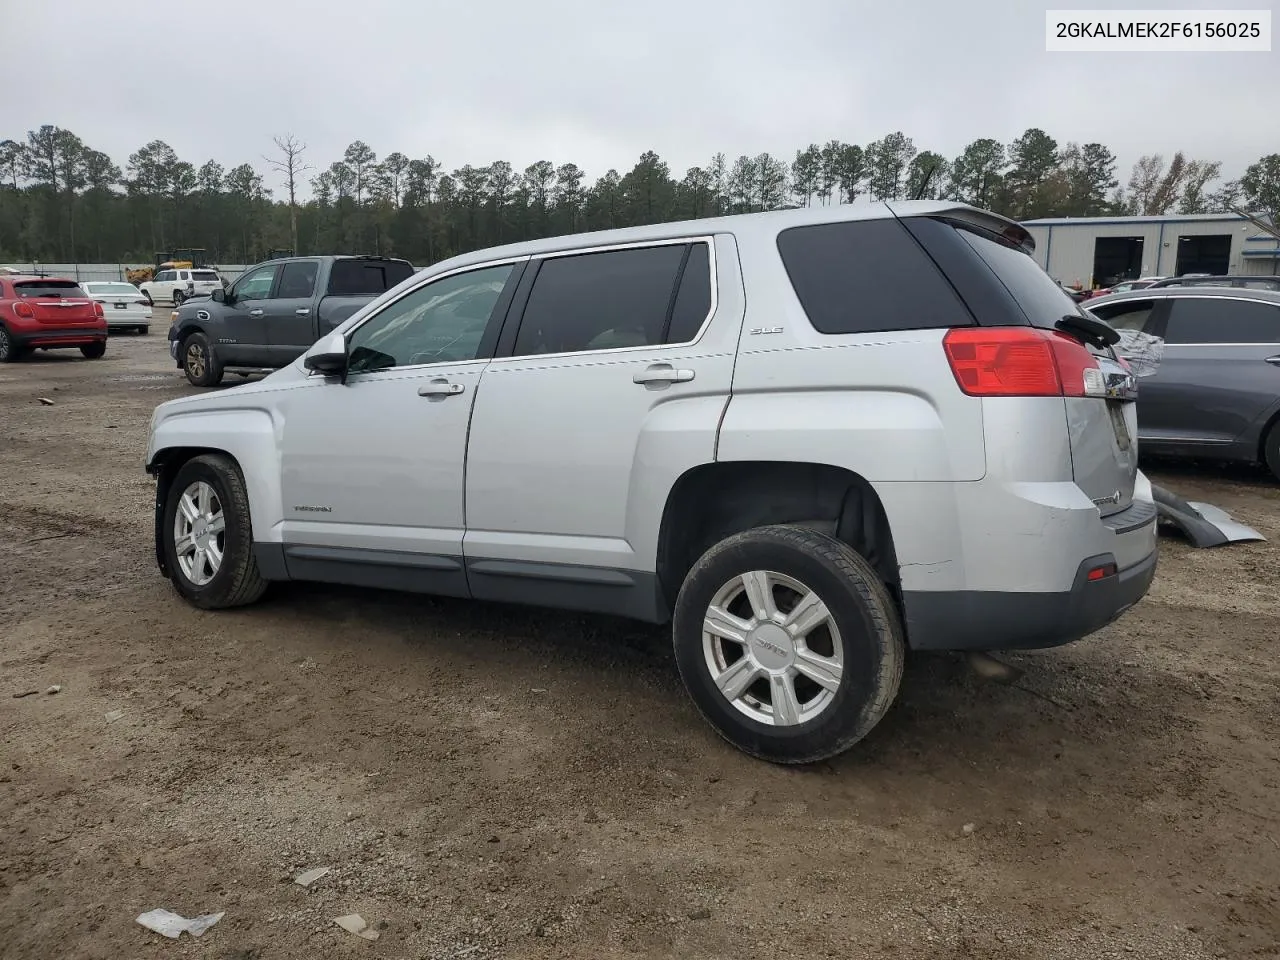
491, 781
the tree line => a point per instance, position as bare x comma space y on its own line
63, 201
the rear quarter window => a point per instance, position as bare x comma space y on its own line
867, 276
355, 278
1042, 300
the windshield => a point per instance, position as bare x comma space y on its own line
48, 288
111, 289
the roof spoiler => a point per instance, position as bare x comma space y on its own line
1010, 230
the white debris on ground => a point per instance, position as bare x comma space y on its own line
171, 925
309, 877
354, 923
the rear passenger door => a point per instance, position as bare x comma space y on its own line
288, 315
1217, 379
610, 378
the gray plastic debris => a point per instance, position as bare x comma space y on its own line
1141, 351
354, 923
171, 925
1203, 524
56, 688
307, 878
46, 401
111, 716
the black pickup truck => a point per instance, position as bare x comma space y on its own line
274, 312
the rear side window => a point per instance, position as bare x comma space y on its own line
600, 301
1220, 320
866, 276
693, 302
48, 288
1034, 291
358, 278
298, 280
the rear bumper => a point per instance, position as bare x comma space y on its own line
127, 323
55, 338
990, 620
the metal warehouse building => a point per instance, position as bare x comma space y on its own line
1100, 251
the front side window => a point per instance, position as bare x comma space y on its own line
1131, 315
256, 284
1221, 320
442, 322
600, 301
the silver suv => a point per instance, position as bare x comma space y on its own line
807, 439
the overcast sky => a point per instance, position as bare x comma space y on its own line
597, 83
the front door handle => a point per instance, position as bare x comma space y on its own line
439, 389
661, 373
1274, 361
304, 312
255, 313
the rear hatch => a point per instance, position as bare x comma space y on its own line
205, 281
1102, 423
57, 302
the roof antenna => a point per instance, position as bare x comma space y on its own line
924, 184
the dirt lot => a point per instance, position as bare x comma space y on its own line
501, 782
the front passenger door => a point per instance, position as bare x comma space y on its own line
243, 339
372, 470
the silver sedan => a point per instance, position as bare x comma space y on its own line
123, 303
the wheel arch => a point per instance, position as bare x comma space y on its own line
715, 500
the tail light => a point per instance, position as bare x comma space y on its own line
98, 311
23, 311
1021, 362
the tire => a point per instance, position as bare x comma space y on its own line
234, 580
147, 294
10, 352
178, 297
198, 362
94, 351
143, 331
1271, 449
867, 642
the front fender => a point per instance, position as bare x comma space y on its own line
247, 434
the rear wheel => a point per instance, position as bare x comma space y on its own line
198, 362
94, 351
1271, 449
143, 331
178, 297
208, 537
148, 297
788, 643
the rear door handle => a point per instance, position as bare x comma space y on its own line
255, 313
1274, 361
304, 312
662, 373
439, 389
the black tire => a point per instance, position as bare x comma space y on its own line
178, 297
237, 581
10, 352
143, 331
198, 362
1271, 449
147, 294
864, 615
94, 351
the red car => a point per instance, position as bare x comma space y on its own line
48, 313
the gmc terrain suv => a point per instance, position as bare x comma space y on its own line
808, 439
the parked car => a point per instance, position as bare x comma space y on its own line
807, 439
125, 306
48, 313
1247, 281
175, 286
1125, 285
274, 311
1216, 392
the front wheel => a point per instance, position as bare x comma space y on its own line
198, 362
788, 643
94, 351
208, 537
10, 352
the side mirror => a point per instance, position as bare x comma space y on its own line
328, 356
219, 295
